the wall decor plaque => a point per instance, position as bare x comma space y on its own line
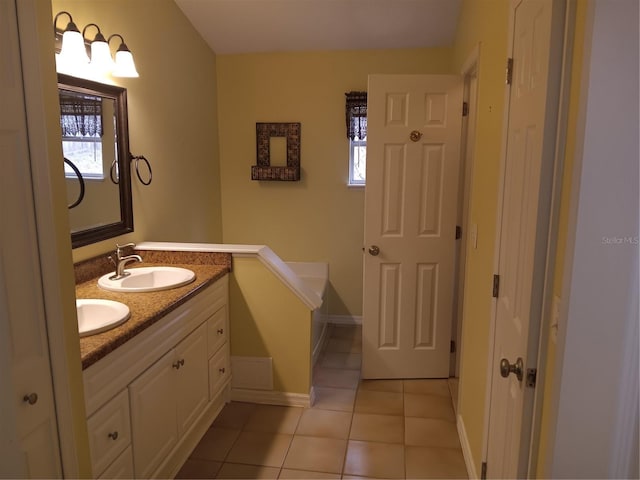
264, 170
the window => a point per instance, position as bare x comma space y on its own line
356, 117
81, 123
86, 154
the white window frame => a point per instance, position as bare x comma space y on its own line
353, 144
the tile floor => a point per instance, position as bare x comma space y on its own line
356, 428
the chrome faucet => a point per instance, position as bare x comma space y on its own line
120, 262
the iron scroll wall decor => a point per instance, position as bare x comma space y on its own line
113, 173
264, 170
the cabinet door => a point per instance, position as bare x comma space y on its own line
192, 379
153, 415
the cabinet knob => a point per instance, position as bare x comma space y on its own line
220, 331
221, 370
113, 435
178, 364
31, 399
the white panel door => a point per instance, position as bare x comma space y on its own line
413, 143
27, 417
522, 237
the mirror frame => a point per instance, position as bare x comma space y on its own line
119, 95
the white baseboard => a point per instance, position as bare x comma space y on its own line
345, 319
272, 397
466, 448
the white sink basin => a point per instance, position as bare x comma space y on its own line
96, 315
148, 279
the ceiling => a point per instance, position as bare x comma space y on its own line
249, 26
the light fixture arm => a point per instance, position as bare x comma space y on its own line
123, 46
99, 37
70, 26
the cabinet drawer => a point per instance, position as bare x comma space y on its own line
122, 467
109, 432
218, 332
219, 371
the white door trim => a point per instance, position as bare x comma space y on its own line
37, 80
471, 67
561, 27
556, 197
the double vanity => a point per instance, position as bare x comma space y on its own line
154, 380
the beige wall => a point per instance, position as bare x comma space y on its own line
318, 218
483, 22
268, 320
172, 119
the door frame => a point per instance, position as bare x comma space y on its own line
562, 26
470, 69
56, 262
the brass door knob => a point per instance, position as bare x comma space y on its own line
415, 135
507, 368
374, 250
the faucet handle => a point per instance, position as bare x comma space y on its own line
119, 248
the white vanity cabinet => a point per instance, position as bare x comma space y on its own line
160, 390
167, 399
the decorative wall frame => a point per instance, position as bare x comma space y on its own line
263, 170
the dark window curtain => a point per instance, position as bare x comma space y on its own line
356, 111
80, 116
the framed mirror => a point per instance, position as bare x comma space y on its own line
95, 140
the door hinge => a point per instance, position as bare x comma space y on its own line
509, 70
496, 286
458, 232
465, 109
532, 376
452, 349
483, 471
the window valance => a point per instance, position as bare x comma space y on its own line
80, 116
356, 113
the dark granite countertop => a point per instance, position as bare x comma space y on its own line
146, 308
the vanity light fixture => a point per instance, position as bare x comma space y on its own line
73, 58
124, 65
72, 52
101, 60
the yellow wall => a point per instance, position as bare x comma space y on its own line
318, 218
483, 22
268, 320
546, 432
172, 119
